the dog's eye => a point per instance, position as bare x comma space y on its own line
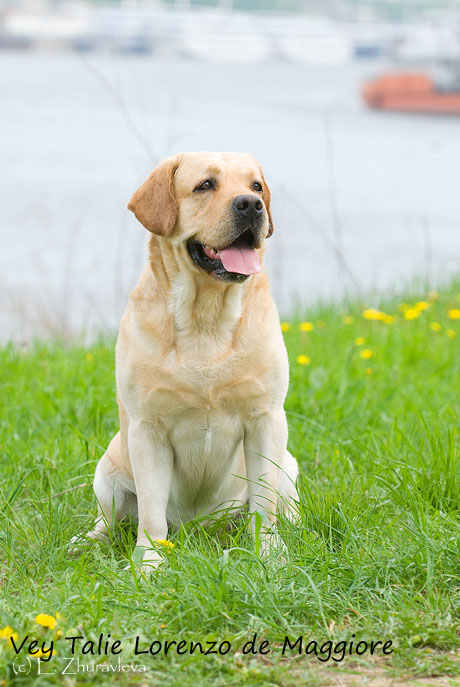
207, 185
257, 186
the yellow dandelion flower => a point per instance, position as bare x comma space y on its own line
389, 319
422, 305
373, 314
347, 319
162, 626
6, 632
435, 327
402, 307
46, 620
411, 314
285, 326
454, 314
450, 333
368, 370
89, 357
321, 324
307, 326
303, 360
360, 341
9, 634
432, 296
164, 542
366, 354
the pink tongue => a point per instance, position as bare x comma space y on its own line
240, 258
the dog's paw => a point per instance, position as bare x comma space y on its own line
272, 546
75, 544
146, 560
81, 540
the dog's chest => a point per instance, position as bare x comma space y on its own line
207, 392
205, 411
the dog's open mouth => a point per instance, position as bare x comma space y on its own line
236, 262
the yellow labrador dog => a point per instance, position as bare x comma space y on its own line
201, 366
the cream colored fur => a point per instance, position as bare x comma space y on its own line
201, 369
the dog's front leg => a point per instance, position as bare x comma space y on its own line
265, 444
152, 461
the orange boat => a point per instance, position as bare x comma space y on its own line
410, 93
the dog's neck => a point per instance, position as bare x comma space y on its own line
205, 312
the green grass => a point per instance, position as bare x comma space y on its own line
376, 553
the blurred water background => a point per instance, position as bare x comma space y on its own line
94, 96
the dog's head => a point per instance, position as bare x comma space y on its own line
216, 205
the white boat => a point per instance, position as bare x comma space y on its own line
223, 37
315, 41
429, 43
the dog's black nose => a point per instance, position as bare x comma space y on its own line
248, 206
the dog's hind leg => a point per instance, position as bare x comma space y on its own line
115, 493
287, 491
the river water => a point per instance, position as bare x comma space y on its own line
362, 200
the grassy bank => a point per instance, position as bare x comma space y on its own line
373, 410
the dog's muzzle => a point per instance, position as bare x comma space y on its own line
248, 211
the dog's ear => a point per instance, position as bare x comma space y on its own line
267, 198
154, 202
